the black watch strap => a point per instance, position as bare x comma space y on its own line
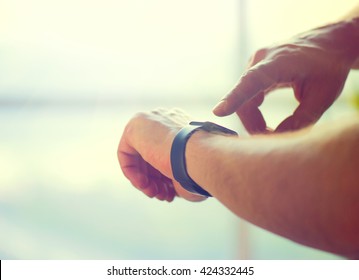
178, 160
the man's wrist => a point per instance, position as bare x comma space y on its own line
178, 153
201, 148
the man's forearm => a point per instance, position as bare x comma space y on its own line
289, 185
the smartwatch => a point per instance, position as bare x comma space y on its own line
178, 160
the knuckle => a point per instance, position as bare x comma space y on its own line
140, 115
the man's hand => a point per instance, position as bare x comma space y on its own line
315, 64
144, 153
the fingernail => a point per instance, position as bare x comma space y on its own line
219, 109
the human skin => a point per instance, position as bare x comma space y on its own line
314, 63
302, 185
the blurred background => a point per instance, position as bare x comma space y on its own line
72, 73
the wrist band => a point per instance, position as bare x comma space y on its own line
178, 160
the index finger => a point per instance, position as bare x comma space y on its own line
260, 78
